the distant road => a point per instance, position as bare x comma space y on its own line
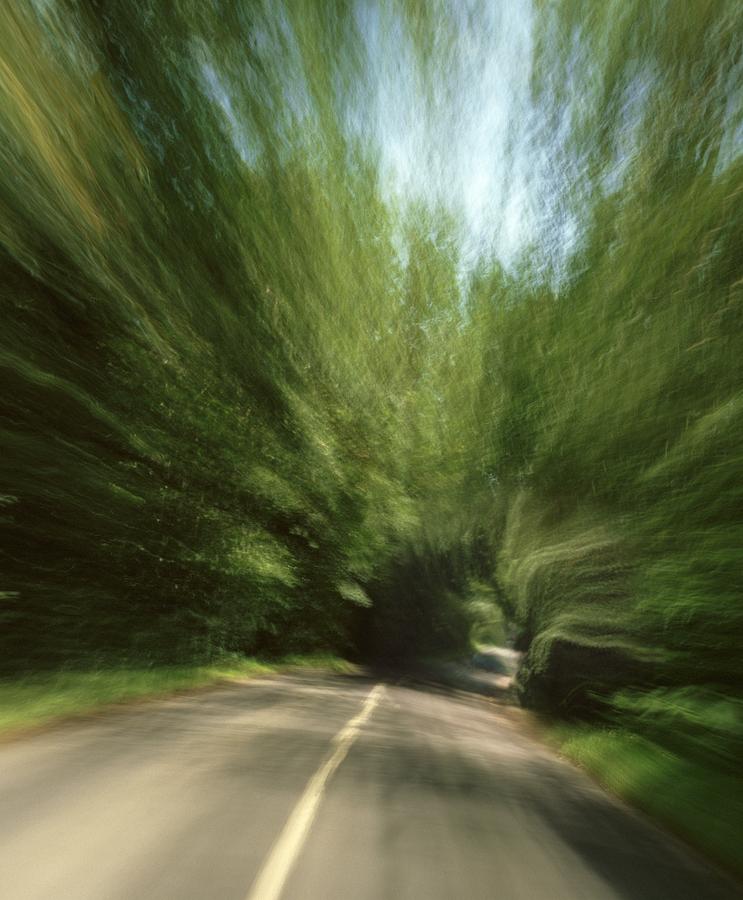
320, 788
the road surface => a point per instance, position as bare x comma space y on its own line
316, 788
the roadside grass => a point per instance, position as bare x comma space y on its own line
36, 700
697, 802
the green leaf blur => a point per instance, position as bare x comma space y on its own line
266, 393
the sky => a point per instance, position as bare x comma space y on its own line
458, 133
443, 95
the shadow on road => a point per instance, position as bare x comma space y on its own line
492, 680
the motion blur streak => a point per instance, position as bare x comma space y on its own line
374, 327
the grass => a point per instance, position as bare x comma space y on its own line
699, 803
40, 699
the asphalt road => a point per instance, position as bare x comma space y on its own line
316, 788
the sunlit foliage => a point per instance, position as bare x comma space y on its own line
324, 322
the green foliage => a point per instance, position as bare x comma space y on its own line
40, 699
224, 390
701, 803
617, 412
266, 393
488, 622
